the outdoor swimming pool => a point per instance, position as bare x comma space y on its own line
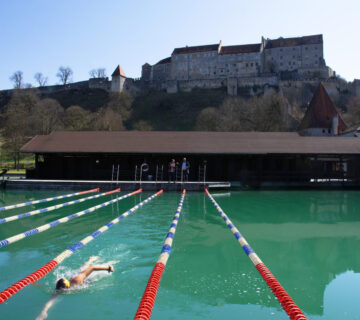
310, 240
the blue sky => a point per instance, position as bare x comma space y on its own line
41, 35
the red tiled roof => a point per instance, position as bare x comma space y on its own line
247, 48
292, 42
190, 143
118, 72
321, 112
206, 48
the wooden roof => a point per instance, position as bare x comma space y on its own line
190, 143
321, 112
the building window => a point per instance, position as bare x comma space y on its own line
280, 49
214, 72
234, 64
306, 48
293, 57
252, 64
289, 63
198, 55
294, 63
281, 63
281, 57
247, 65
237, 70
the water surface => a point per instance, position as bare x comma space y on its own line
308, 239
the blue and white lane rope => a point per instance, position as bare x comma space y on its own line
19, 205
62, 220
45, 269
58, 206
285, 300
148, 300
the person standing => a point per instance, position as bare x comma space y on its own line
172, 167
185, 169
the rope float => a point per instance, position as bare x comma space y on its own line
63, 220
19, 205
45, 269
58, 206
285, 300
148, 300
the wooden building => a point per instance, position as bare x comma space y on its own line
251, 158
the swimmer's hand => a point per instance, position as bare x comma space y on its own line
110, 268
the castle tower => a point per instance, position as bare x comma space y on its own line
321, 117
117, 80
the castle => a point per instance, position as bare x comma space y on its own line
239, 69
260, 64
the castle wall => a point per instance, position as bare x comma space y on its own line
293, 58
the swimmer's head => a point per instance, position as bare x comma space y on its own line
62, 283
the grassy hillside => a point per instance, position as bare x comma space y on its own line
176, 112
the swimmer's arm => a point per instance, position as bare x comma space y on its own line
83, 275
48, 305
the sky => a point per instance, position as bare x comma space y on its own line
42, 35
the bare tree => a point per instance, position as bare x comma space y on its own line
98, 73
64, 74
17, 78
40, 79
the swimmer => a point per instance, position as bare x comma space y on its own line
63, 283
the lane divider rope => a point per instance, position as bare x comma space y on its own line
45, 269
58, 206
148, 300
19, 205
283, 297
54, 223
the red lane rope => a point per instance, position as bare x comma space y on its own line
38, 274
287, 303
149, 296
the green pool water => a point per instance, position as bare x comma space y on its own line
310, 240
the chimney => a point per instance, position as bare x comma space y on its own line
335, 125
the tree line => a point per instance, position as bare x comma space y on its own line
64, 75
28, 114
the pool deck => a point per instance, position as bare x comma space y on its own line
109, 185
